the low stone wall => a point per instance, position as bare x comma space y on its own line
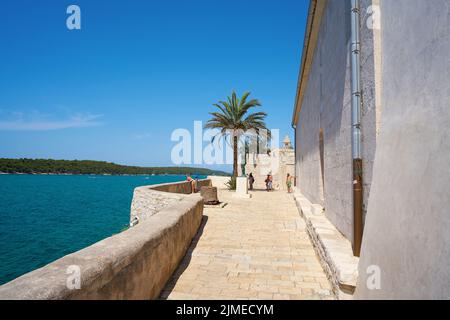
219, 182
180, 187
149, 200
135, 264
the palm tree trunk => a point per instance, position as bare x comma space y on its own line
235, 156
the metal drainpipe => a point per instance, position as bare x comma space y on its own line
294, 126
356, 130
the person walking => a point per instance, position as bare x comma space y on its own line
289, 183
267, 182
251, 180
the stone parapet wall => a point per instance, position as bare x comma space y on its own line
183, 187
219, 182
149, 200
135, 264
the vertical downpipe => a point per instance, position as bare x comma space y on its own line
294, 126
356, 130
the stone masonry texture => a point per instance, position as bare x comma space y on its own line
326, 108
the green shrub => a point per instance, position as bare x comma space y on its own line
231, 184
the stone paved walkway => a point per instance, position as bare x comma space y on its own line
252, 249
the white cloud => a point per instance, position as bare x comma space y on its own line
142, 136
39, 122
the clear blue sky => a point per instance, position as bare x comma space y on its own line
116, 89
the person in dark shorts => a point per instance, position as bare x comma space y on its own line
251, 180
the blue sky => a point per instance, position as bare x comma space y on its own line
137, 70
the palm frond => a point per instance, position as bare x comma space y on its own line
233, 119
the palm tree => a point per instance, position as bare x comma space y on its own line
232, 119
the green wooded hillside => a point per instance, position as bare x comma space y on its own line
91, 167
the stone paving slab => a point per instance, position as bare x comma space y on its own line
254, 248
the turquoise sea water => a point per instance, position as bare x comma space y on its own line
43, 218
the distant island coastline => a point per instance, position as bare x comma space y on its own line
90, 167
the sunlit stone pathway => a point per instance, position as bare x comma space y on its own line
252, 249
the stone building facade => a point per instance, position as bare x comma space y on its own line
404, 77
278, 162
323, 115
